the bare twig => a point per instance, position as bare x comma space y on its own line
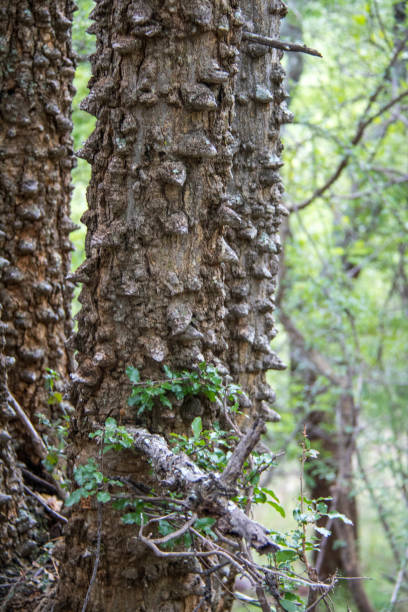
42, 501
97, 558
320, 362
36, 439
177, 533
398, 582
51, 488
382, 515
280, 44
233, 469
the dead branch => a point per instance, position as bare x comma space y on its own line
35, 437
398, 582
242, 451
206, 494
43, 503
177, 533
280, 44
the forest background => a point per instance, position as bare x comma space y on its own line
343, 298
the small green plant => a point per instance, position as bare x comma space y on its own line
205, 381
54, 396
56, 438
210, 449
169, 517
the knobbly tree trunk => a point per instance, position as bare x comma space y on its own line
180, 255
36, 75
11, 490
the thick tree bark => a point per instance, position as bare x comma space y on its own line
11, 490
36, 155
179, 246
252, 210
36, 75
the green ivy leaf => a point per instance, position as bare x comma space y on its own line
289, 606
133, 374
197, 427
286, 555
278, 508
74, 498
103, 497
323, 531
340, 516
131, 518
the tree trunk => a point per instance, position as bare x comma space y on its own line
12, 539
37, 69
169, 261
252, 211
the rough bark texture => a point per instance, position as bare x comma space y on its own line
252, 210
36, 72
37, 69
11, 490
179, 250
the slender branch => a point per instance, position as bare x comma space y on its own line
280, 44
177, 533
398, 582
233, 469
346, 158
97, 558
42, 501
35, 437
382, 515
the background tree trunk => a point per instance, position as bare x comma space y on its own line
37, 69
168, 254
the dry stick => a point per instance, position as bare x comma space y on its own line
252, 575
398, 582
313, 606
39, 481
35, 437
260, 593
178, 533
234, 466
42, 501
280, 44
97, 558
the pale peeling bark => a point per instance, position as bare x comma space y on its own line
37, 69
166, 252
